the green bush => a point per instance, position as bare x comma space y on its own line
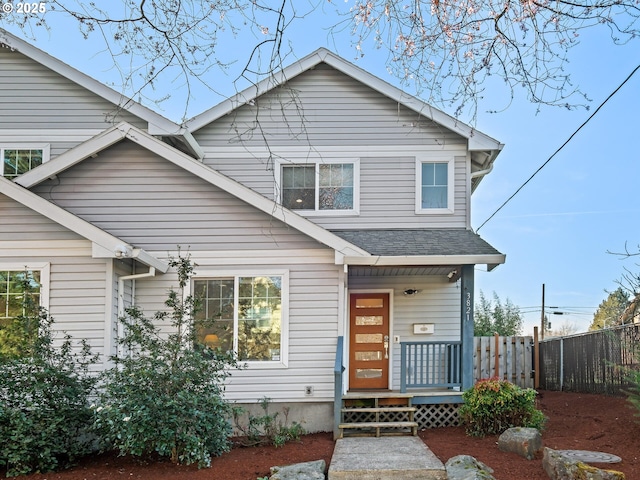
492, 406
266, 428
165, 394
44, 413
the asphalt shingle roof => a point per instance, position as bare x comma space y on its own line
401, 242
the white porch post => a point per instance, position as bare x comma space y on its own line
466, 326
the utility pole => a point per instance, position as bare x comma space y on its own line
542, 319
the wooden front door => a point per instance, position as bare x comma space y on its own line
369, 341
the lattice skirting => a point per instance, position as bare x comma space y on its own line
427, 416
435, 416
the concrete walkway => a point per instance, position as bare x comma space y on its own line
397, 458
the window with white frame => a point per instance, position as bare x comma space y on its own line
320, 187
17, 160
245, 314
434, 186
22, 292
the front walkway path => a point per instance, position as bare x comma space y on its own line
393, 458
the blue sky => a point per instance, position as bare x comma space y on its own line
558, 229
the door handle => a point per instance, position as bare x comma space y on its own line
386, 347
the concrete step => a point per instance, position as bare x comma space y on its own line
384, 458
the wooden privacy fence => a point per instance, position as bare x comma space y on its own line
509, 358
592, 362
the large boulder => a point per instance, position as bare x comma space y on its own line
466, 467
563, 467
526, 442
300, 471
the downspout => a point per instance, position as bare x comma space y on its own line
121, 280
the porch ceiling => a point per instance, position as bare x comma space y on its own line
359, 271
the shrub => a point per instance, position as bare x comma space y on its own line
266, 428
44, 413
492, 406
165, 395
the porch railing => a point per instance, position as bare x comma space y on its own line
430, 364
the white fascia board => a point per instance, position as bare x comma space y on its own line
60, 216
149, 260
244, 193
71, 157
254, 91
385, 261
159, 122
477, 139
104, 244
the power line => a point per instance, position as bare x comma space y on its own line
561, 147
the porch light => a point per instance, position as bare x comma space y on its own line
410, 291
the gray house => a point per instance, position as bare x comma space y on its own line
327, 211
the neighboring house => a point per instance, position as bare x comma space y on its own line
328, 214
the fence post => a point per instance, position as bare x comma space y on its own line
496, 367
536, 359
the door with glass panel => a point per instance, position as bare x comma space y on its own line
369, 341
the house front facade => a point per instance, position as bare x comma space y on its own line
328, 214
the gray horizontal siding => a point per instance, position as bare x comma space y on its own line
77, 286
313, 325
34, 97
316, 114
152, 204
324, 107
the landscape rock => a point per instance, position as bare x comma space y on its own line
300, 471
560, 467
526, 442
466, 467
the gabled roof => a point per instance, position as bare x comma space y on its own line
126, 131
105, 245
487, 147
157, 124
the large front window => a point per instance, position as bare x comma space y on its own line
243, 314
16, 161
319, 187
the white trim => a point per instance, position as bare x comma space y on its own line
210, 273
356, 291
11, 145
125, 130
450, 209
45, 277
380, 260
157, 122
104, 245
477, 140
277, 194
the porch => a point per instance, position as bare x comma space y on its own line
429, 395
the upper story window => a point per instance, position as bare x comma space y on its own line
245, 314
434, 186
320, 187
17, 160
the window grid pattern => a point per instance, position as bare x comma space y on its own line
12, 292
434, 187
19, 161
